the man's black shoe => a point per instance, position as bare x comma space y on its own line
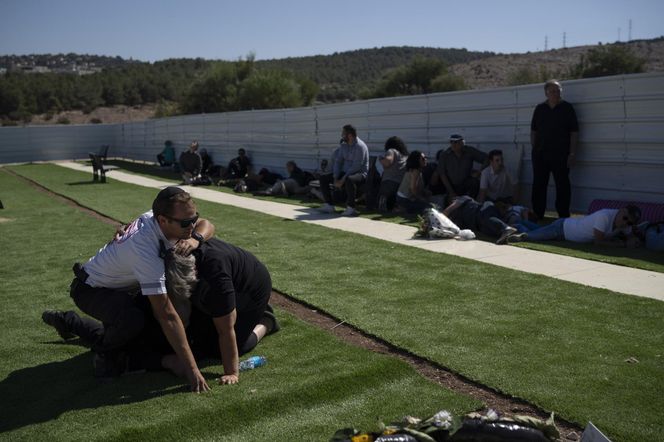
275, 327
56, 319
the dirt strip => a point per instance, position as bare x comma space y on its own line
498, 401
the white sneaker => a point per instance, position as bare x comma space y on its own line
327, 208
350, 212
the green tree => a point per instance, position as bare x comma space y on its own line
610, 60
269, 90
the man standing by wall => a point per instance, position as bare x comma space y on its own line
554, 133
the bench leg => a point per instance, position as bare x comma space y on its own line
103, 175
95, 176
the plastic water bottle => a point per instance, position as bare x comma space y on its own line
253, 362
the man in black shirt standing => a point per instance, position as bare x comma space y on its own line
554, 133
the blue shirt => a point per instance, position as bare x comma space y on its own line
351, 159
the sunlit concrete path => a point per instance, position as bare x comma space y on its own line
591, 273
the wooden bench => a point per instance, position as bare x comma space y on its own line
99, 169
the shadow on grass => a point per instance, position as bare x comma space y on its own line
83, 183
44, 392
146, 169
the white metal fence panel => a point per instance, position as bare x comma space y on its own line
621, 152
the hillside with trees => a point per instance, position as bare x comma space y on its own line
33, 89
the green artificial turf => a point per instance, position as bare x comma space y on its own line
559, 345
640, 258
312, 386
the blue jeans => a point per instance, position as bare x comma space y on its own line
553, 231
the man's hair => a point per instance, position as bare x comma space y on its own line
167, 199
181, 282
397, 144
350, 129
552, 82
634, 213
291, 163
413, 161
241, 151
194, 143
495, 153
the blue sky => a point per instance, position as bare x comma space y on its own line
154, 30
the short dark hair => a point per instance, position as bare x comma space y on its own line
167, 199
350, 129
397, 144
413, 161
495, 153
634, 212
241, 151
291, 163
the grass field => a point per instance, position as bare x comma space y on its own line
637, 258
559, 345
313, 384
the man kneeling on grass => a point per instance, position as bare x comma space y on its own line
221, 294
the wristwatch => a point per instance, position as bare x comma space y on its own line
198, 237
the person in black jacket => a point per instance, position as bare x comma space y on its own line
554, 134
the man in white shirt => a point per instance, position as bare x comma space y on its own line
496, 184
132, 265
602, 228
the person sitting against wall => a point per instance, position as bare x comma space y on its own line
295, 184
412, 195
166, 157
455, 168
350, 169
394, 169
191, 163
607, 227
239, 167
496, 183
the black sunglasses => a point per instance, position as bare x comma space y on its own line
184, 223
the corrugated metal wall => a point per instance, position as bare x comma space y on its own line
621, 154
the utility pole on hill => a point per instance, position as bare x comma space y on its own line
564, 40
629, 35
546, 43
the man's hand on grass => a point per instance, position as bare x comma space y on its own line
229, 379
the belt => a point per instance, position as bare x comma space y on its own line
80, 272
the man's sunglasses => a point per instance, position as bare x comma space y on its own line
184, 223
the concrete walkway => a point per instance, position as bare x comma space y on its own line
591, 273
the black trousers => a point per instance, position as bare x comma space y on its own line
351, 187
119, 312
544, 165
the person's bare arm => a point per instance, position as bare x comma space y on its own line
481, 196
171, 325
185, 246
225, 326
387, 160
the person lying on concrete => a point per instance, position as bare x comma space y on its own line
130, 269
467, 213
606, 227
196, 304
496, 183
349, 171
295, 184
412, 195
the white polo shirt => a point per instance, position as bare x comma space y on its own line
582, 229
133, 260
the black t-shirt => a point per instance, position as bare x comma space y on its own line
465, 216
553, 126
229, 278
